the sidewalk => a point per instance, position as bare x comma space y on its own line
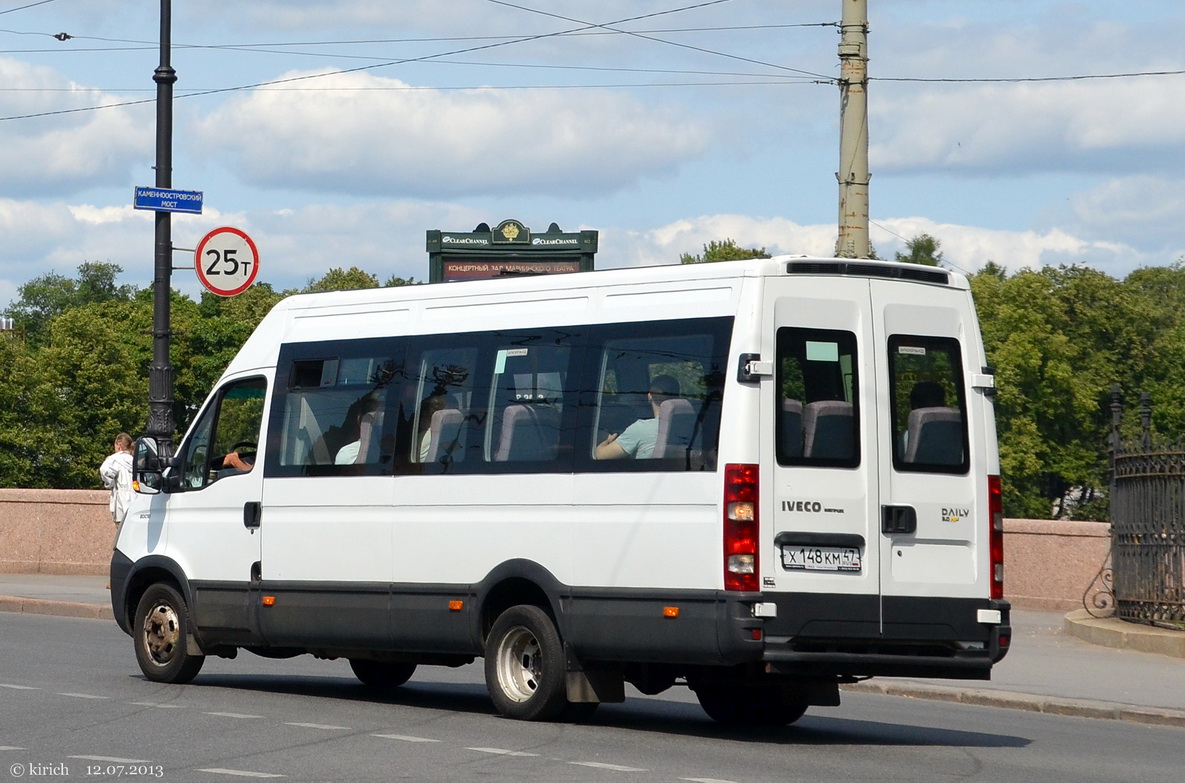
1060, 664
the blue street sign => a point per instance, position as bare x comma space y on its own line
161, 200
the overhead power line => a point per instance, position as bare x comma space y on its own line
1023, 79
23, 7
373, 66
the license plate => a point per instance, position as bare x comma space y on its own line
820, 558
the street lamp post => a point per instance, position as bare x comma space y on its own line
160, 373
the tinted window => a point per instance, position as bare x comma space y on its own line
818, 415
332, 416
928, 403
656, 395
492, 402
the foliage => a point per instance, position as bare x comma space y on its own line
728, 250
922, 249
49, 295
338, 279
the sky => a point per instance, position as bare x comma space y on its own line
337, 132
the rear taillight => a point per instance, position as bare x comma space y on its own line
996, 540
740, 528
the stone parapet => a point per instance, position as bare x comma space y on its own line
1054, 563
1049, 564
55, 531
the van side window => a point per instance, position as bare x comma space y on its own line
929, 405
225, 441
656, 403
331, 417
817, 413
438, 400
491, 402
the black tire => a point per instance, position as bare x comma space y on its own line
160, 637
749, 707
525, 666
383, 675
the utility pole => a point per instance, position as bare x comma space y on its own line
853, 173
160, 373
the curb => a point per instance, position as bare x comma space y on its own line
1120, 634
1079, 708
10, 603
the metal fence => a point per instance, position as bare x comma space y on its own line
1147, 523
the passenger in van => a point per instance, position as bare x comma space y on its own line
637, 440
367, 403
924, 394
927, 394
431, 404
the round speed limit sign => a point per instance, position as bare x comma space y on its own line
226, 261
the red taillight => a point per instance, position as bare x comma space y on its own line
740, 528
996, 540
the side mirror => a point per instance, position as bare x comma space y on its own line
147, 467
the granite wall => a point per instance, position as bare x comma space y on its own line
1049, 564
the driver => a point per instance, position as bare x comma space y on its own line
233, 461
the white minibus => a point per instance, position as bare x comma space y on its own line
758, 479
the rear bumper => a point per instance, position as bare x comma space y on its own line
866, 636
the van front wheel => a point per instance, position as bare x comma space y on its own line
161, 637
524, 665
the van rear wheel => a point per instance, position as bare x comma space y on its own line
383, 675
161, 636
525, 666
749, 706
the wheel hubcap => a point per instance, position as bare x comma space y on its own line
520, 664
162, 633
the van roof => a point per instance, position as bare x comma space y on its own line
755, 267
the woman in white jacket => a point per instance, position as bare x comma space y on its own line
116, 472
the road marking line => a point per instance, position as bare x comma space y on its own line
502, 751
707, 780
82, 695
319, 726
11, 747
242, 773
404, 737
19, 687
614, 767
161, 706
232, 715
109, 759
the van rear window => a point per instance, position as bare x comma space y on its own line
929, 404
818, 418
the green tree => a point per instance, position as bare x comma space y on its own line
922, 249
1057, 338
338, 279
728, 250
49, 295
84, 386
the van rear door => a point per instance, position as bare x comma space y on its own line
935, 514
821, 505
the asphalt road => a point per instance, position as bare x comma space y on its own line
74, 706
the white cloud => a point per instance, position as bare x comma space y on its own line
64, 153
1105, 125
373, 135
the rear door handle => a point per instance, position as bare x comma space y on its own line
252, 512
899, 520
